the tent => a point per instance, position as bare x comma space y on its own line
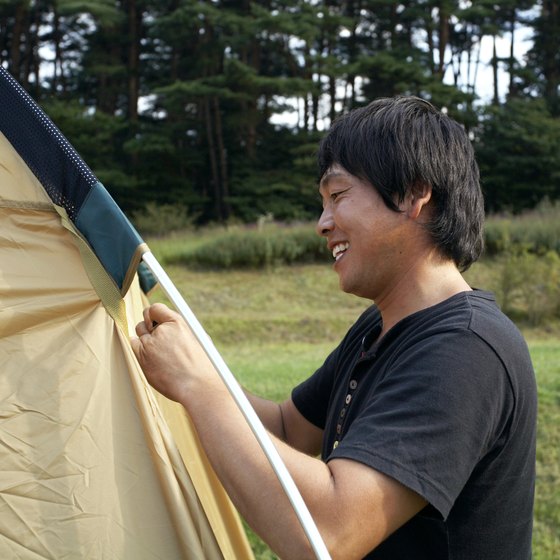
94, 463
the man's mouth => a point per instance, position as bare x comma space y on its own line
339, 249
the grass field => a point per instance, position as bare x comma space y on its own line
274, 327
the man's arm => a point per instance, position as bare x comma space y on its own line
354, 506
288, 424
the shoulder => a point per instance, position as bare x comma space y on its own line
470, 327
492, 329
473, 313
498, 331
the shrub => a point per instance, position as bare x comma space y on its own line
537, 231
161, 219
529, 284
257, 248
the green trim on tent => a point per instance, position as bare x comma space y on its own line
111, 235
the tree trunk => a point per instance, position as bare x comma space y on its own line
225, 210
134, 21
512, 53
443, 38
31, 50
58, 65
476, 67
332, 95
14, 63
431, 48
551, 66
214, 169
353, 53
496, 98
308, 75
107, 94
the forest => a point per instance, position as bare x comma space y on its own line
215, 107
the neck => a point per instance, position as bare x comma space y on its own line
424, 284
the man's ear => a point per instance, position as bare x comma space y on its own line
418, 198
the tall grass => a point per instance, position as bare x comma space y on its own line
257, 248
536, 231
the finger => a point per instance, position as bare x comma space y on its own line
135, 343
148, 322
142, 328
160, 313
147, 319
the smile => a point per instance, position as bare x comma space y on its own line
339, 250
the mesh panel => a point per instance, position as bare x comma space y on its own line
55, 163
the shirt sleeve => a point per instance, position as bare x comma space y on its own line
313, 396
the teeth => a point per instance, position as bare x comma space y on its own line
339, 249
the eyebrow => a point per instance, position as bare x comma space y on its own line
329, 176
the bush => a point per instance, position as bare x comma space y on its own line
529, 285
161, 219
537, 231
257, 248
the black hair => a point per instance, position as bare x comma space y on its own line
400, 143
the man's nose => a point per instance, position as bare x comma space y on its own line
325, 223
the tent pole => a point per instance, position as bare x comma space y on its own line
244, 405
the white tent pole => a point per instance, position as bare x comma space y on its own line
244, 405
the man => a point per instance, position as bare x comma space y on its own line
425, 413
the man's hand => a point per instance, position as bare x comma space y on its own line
172, 359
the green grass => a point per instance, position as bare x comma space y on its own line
546, 359
275, 327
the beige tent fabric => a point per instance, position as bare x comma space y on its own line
221, 514
90, 467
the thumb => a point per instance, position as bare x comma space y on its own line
160, 313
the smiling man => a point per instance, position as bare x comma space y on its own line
424, 416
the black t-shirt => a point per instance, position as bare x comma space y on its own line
446, 405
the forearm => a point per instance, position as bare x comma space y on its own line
247, 475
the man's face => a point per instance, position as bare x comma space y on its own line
366, 237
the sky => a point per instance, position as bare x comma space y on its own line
484, 78
484, 82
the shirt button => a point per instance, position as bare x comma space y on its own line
342, 413
348, 399
353, 384
335, 444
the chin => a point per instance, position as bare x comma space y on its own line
346, 286
349, 288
